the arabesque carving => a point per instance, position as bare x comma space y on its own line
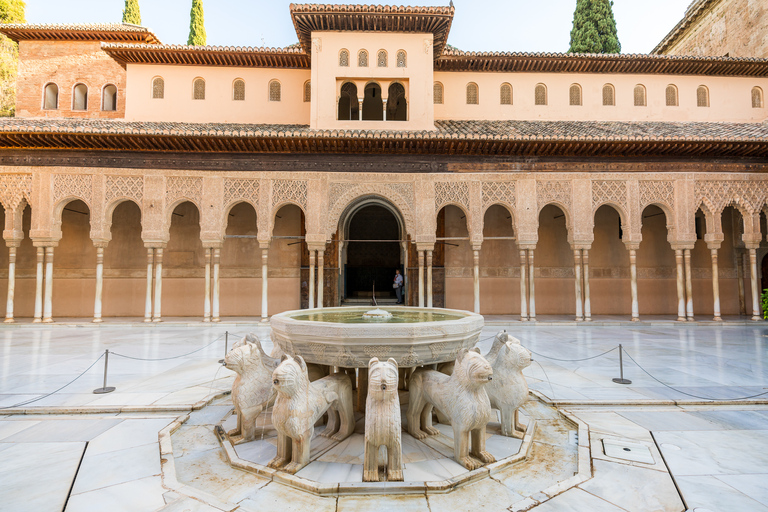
183, 187
499, 192
290, 191
342, 194
717, 195
73, 185
609, 192
554, 191
14, 188
657, 191
241, 189
124, 187
451, 192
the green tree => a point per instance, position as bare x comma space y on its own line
594, 28
11, 11
131, 13
196, 24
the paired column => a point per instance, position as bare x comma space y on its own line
688, 286
421, 279
12, 246
157, 314
320, 277
311, 279
429, 278
531, 288
680, 285
39, 285
148, 300
587, 300
48, 286
264, 285
207, 299
316, 257
753, 282
216, 257
523, 287
633, 282
713, 248
97, 304
581, 287
476, 280
577, 281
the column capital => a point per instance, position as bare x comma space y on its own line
316, 247
45, 242
632, 246
13, 242
155, 244
577, 245
213, 244
264, 244
476, 247
681, 246
100, 243
528, 246
425, 246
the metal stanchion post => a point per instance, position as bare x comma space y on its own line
104, 389
621, 379
226, 345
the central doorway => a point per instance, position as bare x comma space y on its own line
372, 250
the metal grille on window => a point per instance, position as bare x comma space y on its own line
506, 94
344, 58
541, 95
274, 90
575, 95
639, 96
437, 94
158, 88
307, 92
702, 96
238, 93
199, 89
401, 62
671, 96
381, 59
362, 59
472, 94
757, 97
608, 96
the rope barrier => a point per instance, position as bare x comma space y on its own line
573, 360
166, 358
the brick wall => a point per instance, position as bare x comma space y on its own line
66, 63
738, 28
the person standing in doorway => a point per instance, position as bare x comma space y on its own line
398, 286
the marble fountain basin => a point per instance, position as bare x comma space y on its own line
342, 337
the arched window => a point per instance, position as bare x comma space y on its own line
307, 91
609, 95
473, 95
397, 105
505, 94
671, 94
575, 95
109, 98
372, 110
757, 97
80, 97
349, 106
381, 59
362, 59
344, 58
51, 97
702, 96
401, 59
640, 95
274, 91
437, 93
198, 89
540, 94
238, 90
158, 88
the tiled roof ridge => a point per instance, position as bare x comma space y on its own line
692, 13
453, 52
122, 27
371, 8
212, 48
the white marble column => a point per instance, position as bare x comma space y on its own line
523, 287
429, 279
740, 278
360, 109
216, 284
680, 285
148, 300
207, 299
476, 280
421, 278
688, 286
384, 108
311, 279
587, 301
320, 277
531, 288
633, 284
39, 285
756, 315
48, 298
577, 282
11, 283
715, 284
264, 284
157, 315
97, 304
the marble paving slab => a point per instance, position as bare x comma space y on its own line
116, 467
136, 495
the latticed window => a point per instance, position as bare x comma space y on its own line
575, 94
401, 59
307, 91
757, 97
381, 59
702, 96
238, 90
639, 95
437, 93
540, 95
472, 94
199, 89
672, 96
158, 88
505, 94
362, 59
274, 90
609, 95
344, 58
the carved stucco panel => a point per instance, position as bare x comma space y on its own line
716, 195
554, 191
451, 192
124, 187
657, 192
341, 194
609, 192
73, 185
14, 188
290, 191
499, 192
183, 187
241, 189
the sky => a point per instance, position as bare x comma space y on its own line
478, 25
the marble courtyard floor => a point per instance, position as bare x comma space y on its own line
698, 401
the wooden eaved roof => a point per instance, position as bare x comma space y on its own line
372, 18
292, 57
124, 32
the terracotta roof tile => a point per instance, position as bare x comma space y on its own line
289, 57
78, 31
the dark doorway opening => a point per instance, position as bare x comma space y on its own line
374, 261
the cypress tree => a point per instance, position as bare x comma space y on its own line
196, 24
11, 11
131, 13
594, 28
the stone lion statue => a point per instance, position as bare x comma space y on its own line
298, 406
509, 389
252, 389
382, 421
463, 398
